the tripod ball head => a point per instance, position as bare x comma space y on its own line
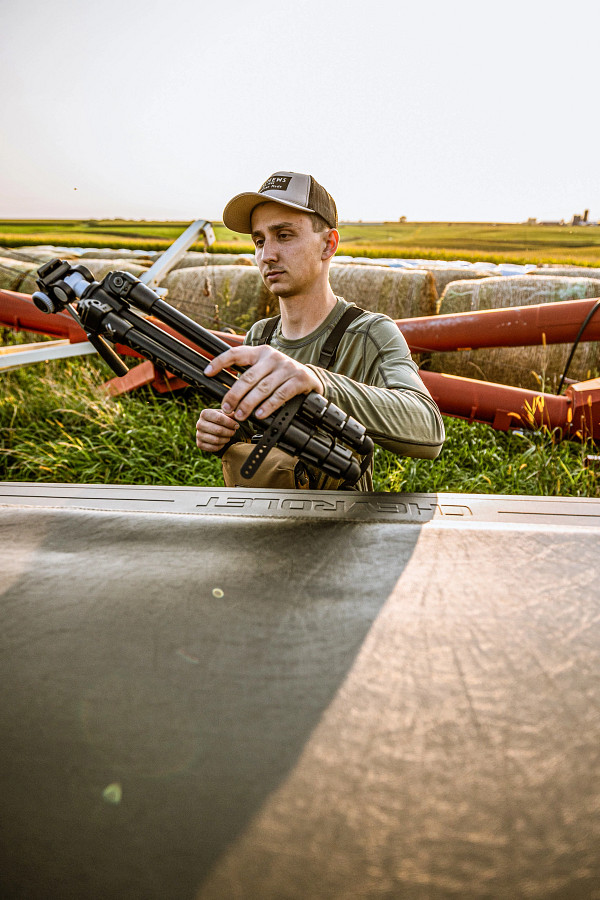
60, 284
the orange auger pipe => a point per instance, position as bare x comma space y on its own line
517, 326
499, 405
576, 413
19, 311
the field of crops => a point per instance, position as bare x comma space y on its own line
472, 241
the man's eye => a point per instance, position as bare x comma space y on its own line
284, 235
258, 243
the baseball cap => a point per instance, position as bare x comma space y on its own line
288, 188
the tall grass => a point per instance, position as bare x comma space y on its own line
58, 425
476, 459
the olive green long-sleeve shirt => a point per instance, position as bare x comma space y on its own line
372, 379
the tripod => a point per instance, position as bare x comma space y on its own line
307, 426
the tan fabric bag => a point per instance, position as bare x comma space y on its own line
277, 470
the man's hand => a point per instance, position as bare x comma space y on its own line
272, 379
214, 429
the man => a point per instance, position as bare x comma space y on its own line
293, 223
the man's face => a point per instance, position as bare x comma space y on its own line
288, 251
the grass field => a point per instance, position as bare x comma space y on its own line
57, 425
472, 241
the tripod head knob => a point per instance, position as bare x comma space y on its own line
43, 302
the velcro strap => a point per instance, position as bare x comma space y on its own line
278, 427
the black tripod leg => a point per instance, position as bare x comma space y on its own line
108, 354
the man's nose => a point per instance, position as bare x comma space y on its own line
269, 249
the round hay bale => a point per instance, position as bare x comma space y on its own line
527, 367
399, 293
99, 267
38, 255
108, 253
498, 292
443, 275
342, 260
221, 296
192, 259
14, 272
535, 368
33, 254
570, 271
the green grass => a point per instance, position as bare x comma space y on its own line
476, 459
58, 425
473, 241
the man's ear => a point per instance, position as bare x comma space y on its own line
332, 240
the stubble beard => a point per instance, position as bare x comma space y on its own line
278, 291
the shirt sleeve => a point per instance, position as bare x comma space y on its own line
389, 397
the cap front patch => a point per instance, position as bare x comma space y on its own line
276, 183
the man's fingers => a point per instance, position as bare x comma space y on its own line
214, 429
243, 355
269, 395
210, 443
264, 406
259, 379
216, 422
271, 379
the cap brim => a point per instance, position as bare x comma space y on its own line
237, 214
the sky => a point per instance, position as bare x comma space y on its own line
437, 111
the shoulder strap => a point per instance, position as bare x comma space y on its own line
270, 327
329, 349
327, 357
